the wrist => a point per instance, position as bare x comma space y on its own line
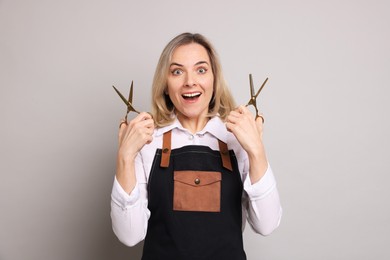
126, 156
257, 153
258, 164
125, 174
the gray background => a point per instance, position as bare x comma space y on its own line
325, 106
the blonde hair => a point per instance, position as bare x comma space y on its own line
221, 102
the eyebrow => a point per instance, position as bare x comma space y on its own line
180, 65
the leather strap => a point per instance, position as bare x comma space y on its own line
166, 149
224, 151
166, 152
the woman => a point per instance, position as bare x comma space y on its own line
190, 176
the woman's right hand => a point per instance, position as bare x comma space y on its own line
132, 137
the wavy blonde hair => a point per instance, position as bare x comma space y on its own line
221, 102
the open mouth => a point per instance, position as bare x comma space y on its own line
191, 96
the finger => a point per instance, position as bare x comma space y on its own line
143, 119
147, 123
260, 118
122, 127
140, 117
122, 122
229, 126
149, 140
235, 114
243, 109
140, 129
145, 116
247, 112
240, 109
234, 127
259, 124
236, 117
238, 112
232, 118
149, 131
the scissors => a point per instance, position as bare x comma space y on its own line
128, 101
252, 100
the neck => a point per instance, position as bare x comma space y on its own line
193, 125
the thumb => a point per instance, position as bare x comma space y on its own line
259, 124
122, 128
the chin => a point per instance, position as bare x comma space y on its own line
192, 114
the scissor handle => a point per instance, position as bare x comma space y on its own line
262, 118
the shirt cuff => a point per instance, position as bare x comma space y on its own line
123, 199
261, 188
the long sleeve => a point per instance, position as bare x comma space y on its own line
262, 204
129, 212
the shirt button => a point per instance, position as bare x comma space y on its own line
191, 137
197, 181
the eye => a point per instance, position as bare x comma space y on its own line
202, 70
177, 72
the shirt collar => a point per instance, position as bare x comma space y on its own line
214, 126
217, 128
164, 129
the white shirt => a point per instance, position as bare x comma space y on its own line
130, 213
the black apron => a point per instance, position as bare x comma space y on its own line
186, 221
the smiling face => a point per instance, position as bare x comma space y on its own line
190, 82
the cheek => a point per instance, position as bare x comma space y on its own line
173, 93
209, 84
174, 82
170, 86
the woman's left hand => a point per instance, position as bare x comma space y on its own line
249, 132
247, 129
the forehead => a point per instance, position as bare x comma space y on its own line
190, 53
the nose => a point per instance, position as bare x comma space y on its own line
190, 80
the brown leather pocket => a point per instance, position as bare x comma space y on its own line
197, 191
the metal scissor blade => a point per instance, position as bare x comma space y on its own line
251, 85
131, 108
262, 86
128, 104
121, 96
131, 93
130, 98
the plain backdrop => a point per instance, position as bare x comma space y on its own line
325, 106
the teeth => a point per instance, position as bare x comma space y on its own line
190, 95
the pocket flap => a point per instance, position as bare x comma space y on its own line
197, 178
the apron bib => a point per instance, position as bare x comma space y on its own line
194, 195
